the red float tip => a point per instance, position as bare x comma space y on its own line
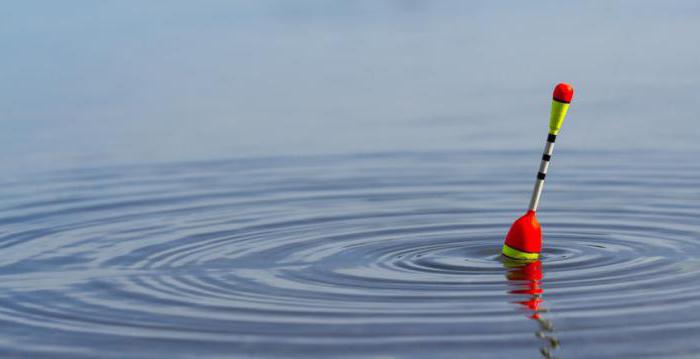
563, 93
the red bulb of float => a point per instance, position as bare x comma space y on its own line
525, 234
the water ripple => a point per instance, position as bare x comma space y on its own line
394, 254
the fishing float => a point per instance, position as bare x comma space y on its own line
524, 239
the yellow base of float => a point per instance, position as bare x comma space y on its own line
513, 253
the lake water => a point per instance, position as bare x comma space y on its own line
335, 179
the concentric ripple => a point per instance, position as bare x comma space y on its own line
386, 255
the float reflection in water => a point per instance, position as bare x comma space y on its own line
524, 280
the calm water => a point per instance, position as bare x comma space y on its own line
335, 179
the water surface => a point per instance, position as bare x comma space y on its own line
386, 254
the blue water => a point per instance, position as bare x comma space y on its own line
335, 179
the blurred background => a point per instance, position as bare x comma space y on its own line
94, 83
